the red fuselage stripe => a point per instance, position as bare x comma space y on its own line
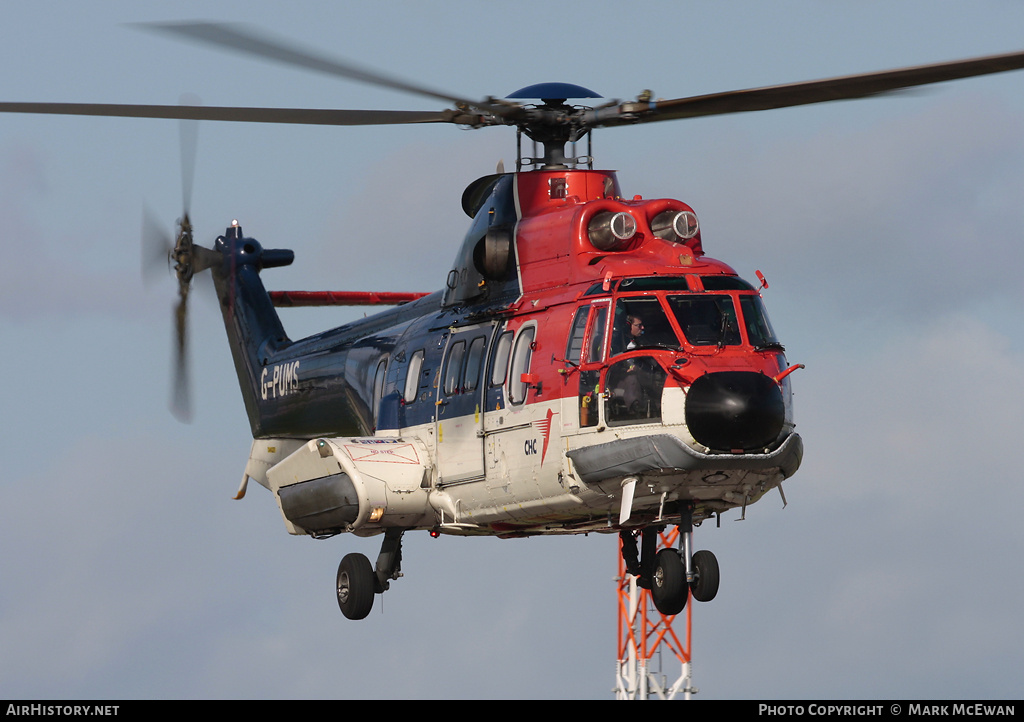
342, 298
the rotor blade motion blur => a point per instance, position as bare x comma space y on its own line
188, 259
301, 116
251, 42
157, 245
805, 93
181, 395
188, 130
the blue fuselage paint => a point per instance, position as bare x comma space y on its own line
323, 385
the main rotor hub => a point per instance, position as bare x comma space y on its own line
553, 124
552, 92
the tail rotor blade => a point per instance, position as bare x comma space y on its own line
188, 130
181, 396
156, 248
183, 254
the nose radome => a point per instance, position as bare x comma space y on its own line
732, 410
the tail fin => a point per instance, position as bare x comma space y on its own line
254, 328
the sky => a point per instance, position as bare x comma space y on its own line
889, 231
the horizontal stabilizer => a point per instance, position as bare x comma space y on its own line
342, 298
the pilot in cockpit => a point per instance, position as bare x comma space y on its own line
628, 336
636, 330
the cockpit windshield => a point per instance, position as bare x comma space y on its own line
640, 322
708, 318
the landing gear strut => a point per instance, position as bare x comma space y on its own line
671, 574
357, 581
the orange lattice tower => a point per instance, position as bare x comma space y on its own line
647, 641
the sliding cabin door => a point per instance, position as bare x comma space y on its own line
460, 403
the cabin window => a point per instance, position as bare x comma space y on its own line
474, 363
412, 378
520, 365
499, 363
378, 386
453, 370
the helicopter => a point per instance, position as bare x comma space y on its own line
586, 367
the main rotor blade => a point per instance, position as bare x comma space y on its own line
805, 93
250, 42
301, 116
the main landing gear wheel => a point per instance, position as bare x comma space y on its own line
669, 589
705, 571
356, 585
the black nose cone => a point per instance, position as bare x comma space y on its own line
732, 410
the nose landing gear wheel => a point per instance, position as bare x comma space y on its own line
669, 590
356, 584
705, 567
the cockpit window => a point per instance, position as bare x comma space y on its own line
640, 322
725, 283
598, 321
759, 328
655, 283
710, 311
706, 320
634, 386
574, 347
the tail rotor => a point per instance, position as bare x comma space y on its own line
187, 259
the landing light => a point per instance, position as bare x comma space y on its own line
608, 231
675, 225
